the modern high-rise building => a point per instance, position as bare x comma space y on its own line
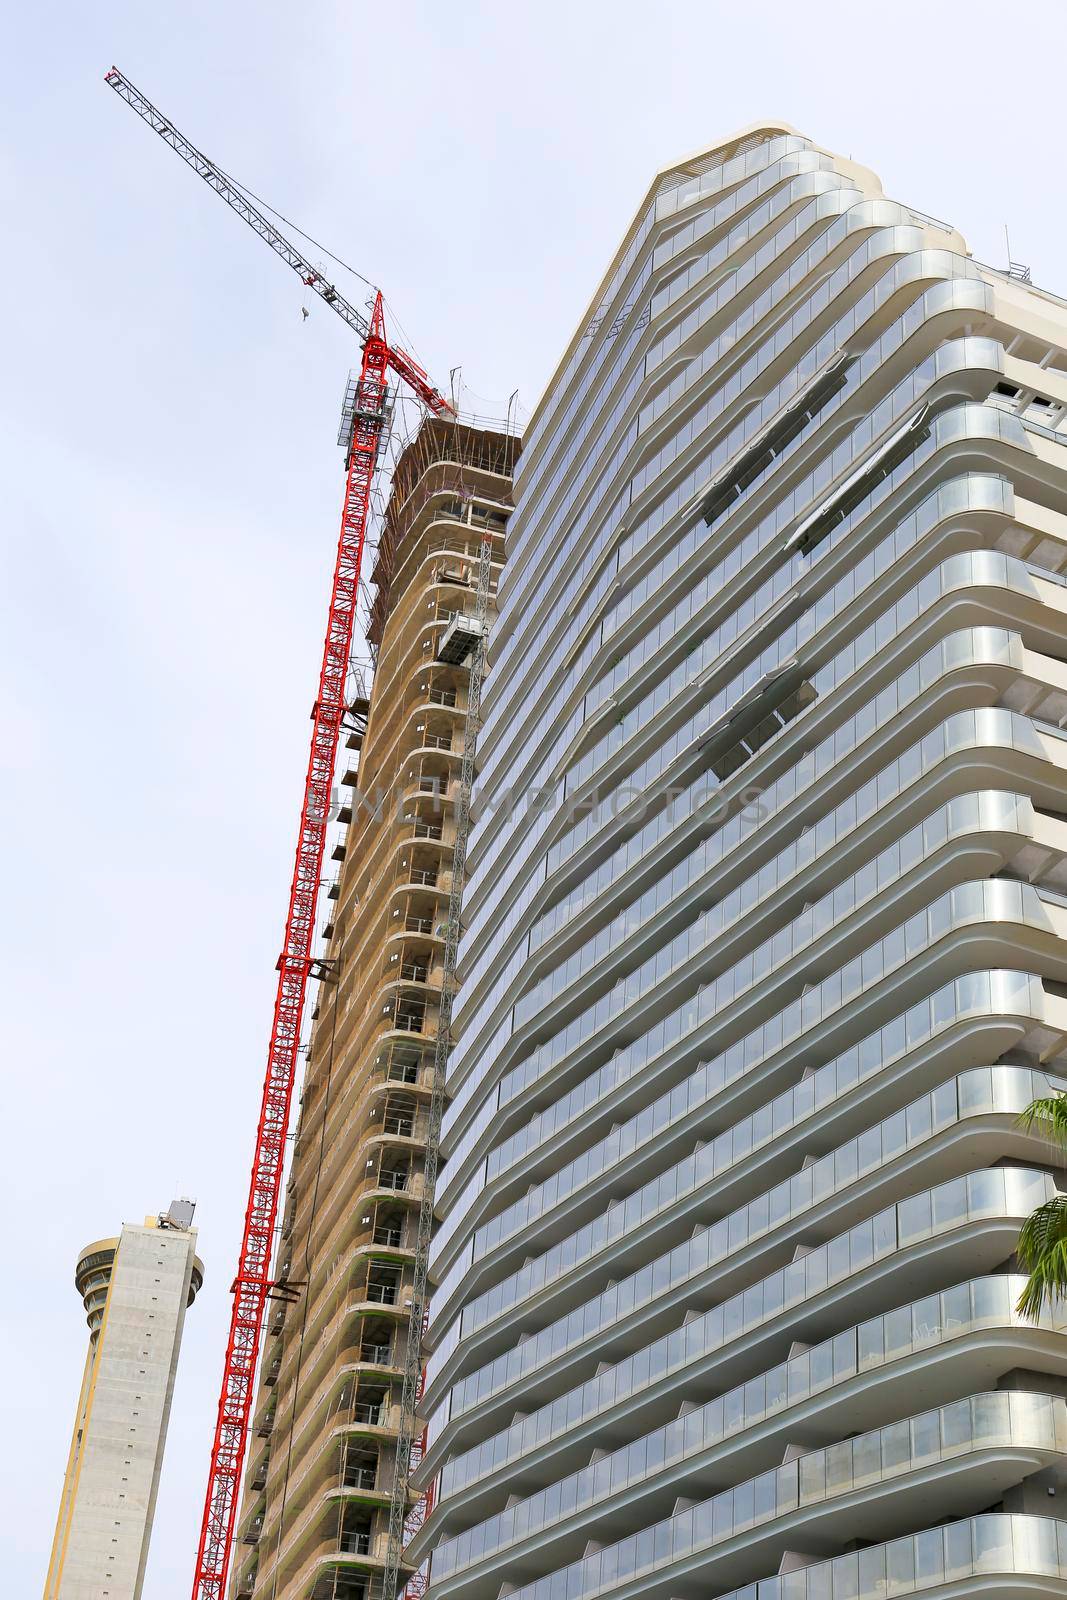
136, 1290
761, 969
322, 1455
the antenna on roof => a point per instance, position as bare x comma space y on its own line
1015, 268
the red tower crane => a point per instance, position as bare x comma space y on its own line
252, 1284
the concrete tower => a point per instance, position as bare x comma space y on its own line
136, 1289
755, 991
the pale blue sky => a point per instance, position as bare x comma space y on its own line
172, 492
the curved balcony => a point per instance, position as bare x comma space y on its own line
379, 1299
357, 1486
92, 1279
918, 774
973, 1221
332, 1566
401, 1071
407, 1067
1037, 1020
331, 1471
952, 655
705, 1019
384, 1143
389, 1158
363, 1029
731, 1246
382, 840
757, 775
946, 1345
986, 829
972, 1450
970, 1116
414, 922
444, 576
947, 1029
1012, 1557
354, 1405
413, 968
353, 1334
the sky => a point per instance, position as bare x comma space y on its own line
171, 490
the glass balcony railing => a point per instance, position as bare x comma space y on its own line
937, 1320
984, 1548
981, 1092
988, 726
975, 994
983, 1422
967, 647
970, 493
709, 1250
1007, 1194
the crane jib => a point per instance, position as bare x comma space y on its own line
234, 197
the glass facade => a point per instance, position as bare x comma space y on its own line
765, 939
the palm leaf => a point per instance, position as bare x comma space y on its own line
1047, 1117
1042, 1252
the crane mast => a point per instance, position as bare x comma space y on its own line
252, 1284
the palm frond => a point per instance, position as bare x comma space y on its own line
1042, 1252
1047, 1116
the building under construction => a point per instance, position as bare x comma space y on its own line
322, 1454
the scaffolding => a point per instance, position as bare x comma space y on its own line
404, 1519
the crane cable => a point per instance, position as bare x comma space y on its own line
339, 260
289, 223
